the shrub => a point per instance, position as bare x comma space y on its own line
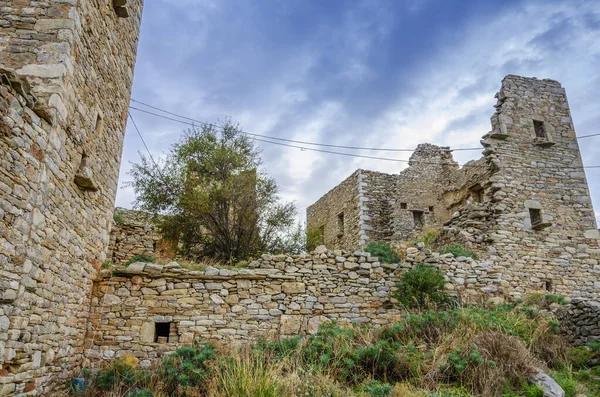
561, 300
141, 393
186, 367
458, 250
118, 217
579, 357
566, 381
421, 285
377, 389
141, 258
278, 350
383, 252
533, 391
121, 373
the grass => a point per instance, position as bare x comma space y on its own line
471, 351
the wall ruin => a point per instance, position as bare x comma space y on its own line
66, 69
277, 295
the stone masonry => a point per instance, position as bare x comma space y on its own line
148, 309
137, 233
66, 69
524, 206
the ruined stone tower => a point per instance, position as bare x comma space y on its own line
65, 80
524, 205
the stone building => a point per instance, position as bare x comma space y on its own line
66, 70
525, 204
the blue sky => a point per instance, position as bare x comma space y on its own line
362, 73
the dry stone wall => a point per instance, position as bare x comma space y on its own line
66, 69
277, 295
136, 233
580, 321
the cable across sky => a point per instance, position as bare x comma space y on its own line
281, 141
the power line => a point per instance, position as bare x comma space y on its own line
284, 139
193, 124
587, 136
144, 142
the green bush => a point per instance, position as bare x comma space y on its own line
378, 389
278, 350
561, 300
458, 250
140, 393
383, 252
533, 391
118, 217
141, 258
186, 367
120, 374
421, 285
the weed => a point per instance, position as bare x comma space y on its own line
141, 258
458, 250
186, 367
378, 389
118, 217
383, 252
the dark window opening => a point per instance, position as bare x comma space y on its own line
99, 124
540, 129
161, 332
154, 246
402, 206
477, 193
536, 216
340, 224
548, 285
430, 208
418, 219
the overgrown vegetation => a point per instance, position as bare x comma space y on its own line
220, 202
458, 250
473, 351
314, 238
140, 258
383, 252
421, 286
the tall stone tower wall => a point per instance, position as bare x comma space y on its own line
66, 70
543, 223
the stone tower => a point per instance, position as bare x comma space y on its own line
66, 70
541, 220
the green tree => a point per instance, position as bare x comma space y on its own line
220, 202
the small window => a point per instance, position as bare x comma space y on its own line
540, 129
477, 193
161, 332
431, 208
340, 224
402, 206
99, 124
418, 219
536, 216
548, 285
322, 234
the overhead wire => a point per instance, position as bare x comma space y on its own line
194, 122
285, 139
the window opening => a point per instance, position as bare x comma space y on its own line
99, 124
161, 332
540, 129
418, 219
548, 285
430, 208
403, 206
340, 224
477, 193
536, 216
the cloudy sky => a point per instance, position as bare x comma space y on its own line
376, 73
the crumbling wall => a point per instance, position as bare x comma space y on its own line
378, 200
66, 70
276, 295
419, 200
137, 233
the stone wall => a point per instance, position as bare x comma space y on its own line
66, 69
276, 295
338, 214
580, 321
136, 233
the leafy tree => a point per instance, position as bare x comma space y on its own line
219, 201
